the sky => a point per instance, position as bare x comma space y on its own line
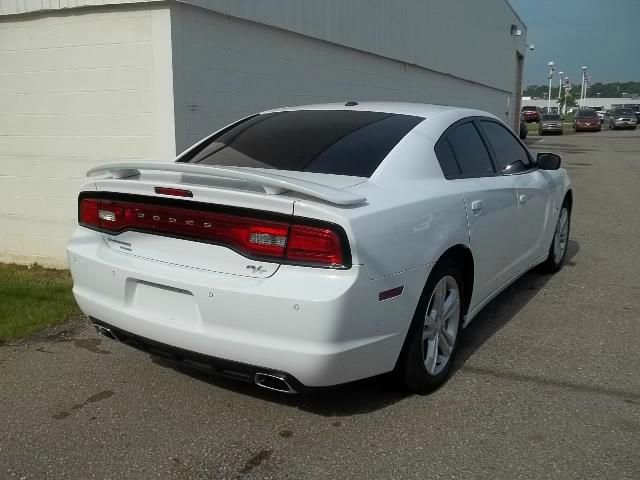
604, 35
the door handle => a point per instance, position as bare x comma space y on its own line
476, 205
523, 198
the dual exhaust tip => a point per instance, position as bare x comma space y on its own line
273, 381
270, 381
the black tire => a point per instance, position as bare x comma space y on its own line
552, 264
410, 370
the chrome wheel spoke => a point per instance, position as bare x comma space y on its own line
446, 342
450, 305
438, 297
431, 361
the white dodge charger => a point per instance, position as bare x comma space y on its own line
313, 246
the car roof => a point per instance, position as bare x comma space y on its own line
425, 110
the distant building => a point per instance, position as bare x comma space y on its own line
604, 103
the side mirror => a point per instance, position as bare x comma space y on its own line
548, 161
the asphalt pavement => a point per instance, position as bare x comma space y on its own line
546, 386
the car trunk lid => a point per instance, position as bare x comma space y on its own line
197, 200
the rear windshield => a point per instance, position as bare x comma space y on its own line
340, 142
551, 117
587, 114
529, 109
623, 111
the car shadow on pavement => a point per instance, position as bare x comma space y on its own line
497, 313
375, 393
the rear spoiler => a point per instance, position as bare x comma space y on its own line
272, 183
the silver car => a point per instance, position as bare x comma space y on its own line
550, 123
622, 118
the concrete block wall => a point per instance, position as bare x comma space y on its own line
77, 88
226, 68
82, 86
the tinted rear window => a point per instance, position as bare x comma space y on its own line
623, 111
339, 142
529, 109
551, 117
587, 114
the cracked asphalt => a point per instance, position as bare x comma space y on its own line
546, 386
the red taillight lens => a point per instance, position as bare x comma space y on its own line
89, 212
314, 245
175, 192
254, 237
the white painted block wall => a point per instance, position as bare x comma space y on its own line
76, 89
83, 86
226, 68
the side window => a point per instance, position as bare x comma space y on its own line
511, 156
470, 151
447, 159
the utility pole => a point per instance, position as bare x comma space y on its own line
560, 74
583, 91
551, 70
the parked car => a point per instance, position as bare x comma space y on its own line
550, 123
313, 246
622, 118
531, 114
586, 120
636, 109
522, 127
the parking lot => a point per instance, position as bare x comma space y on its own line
547, 383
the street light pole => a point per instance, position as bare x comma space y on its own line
551, 64
583, 92
560, 74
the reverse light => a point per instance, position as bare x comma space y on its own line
253, 237
107, 215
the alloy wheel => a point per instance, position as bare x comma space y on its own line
562, 234
441, 323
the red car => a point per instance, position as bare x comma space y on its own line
531, 114
587, 120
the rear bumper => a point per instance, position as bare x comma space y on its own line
588, 128
624, 124
320, 327
207, 363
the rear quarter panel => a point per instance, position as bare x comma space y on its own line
398, 229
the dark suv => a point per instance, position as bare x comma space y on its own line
531, 114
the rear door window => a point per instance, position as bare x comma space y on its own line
470, 152
339, 142
447, 159
508, 152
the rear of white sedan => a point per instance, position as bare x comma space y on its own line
292, 249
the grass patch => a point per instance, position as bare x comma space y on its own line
532, 127
32, 298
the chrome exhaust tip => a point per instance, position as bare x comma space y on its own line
104, 331
273, 381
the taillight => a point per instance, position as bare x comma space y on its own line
314, 245
89, 212
253, 237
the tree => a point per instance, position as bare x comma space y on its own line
606, 90
567, 100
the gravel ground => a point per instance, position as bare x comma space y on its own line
547, 384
